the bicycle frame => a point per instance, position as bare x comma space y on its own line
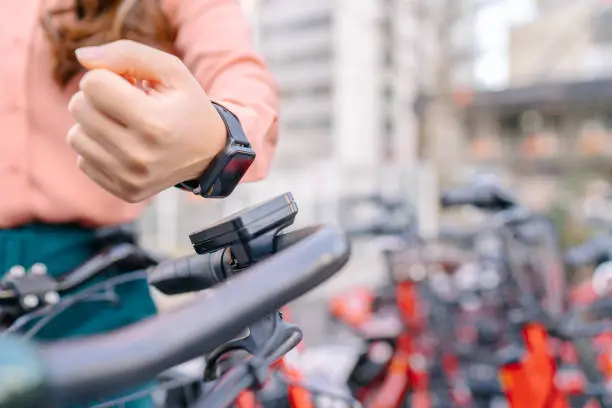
530, 382
355, 309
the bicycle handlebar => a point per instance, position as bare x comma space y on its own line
485, 197
592, 252
77, 370
199, 272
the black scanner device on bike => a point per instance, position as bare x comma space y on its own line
245, 238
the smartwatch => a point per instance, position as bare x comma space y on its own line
229, 166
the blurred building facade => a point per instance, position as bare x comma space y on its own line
558, 100
549, 131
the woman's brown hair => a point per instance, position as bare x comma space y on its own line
95, 22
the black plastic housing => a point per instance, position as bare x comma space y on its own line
243, 232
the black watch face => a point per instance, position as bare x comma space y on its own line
229, 178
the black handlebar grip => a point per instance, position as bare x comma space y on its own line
189, 274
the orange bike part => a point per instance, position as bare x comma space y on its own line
299, 397
531, 382
354, 308
420, 396
394, 388
246, 399
398, 381
407, 298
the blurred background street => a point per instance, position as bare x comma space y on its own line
405, 97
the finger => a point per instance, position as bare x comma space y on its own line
106, 132
98, 176
116, 97
137, 60
88, 149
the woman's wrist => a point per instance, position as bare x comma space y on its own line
212, 142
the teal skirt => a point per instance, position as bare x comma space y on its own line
62, 248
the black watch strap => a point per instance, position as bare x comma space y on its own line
232, 122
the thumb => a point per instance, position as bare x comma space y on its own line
137, 60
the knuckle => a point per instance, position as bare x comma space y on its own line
81, 164
139, 164
157, 129
73, 136
130, 187
93, 79
131, 198
175, 64
78, 103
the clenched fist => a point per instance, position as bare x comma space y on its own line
134, 141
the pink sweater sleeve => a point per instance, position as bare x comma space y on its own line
214, 41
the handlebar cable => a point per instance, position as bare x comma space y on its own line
50, 312
165, 386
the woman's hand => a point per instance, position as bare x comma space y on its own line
136, 143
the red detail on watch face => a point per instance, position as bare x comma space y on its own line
232, 173
237, 166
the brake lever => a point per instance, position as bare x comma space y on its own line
258, 339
